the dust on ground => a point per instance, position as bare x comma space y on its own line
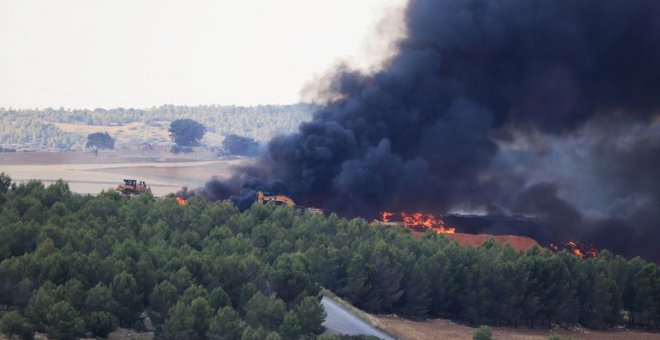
444, 329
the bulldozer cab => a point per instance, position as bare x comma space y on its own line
130, 182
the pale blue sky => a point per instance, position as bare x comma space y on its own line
110, 53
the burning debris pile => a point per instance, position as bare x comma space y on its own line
181, 201
575, 248
417, 221
543, 109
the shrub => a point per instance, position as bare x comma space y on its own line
482, 333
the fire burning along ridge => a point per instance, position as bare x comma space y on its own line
418, 220
575, 248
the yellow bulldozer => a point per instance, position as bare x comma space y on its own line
132, 187
286, 200
277, 199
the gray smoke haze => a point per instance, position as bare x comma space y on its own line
546, 109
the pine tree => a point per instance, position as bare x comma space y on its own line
179, 325
292, 276
200, 312
311, 316
102, 323
163, 296
63, 322
99, 299
416, 296
254, 333
290, 328
264, 311
128, 297
357, 288
37, 307
226, 325
219, 298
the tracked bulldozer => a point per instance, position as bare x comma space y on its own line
264, 198
132, 187
277, 199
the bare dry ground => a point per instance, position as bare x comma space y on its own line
88, 174
519, 243
47, 157
445, 329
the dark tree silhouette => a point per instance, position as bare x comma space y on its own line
100, 140
186, 132
239, 145
7, 149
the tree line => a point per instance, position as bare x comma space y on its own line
26, 131
74, 264
186, 134
34, 129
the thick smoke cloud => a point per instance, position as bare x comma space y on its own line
477, 112
608, 172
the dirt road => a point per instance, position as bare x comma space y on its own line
342, 321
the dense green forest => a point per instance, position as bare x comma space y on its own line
72, 264
34, 129
25, 131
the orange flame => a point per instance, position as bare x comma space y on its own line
181, 201
385, 216
419, 220
575, 248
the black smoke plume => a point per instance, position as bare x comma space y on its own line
545, 109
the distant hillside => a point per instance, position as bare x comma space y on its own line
64, 129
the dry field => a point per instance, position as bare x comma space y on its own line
133, 133
444, 329
88, 174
